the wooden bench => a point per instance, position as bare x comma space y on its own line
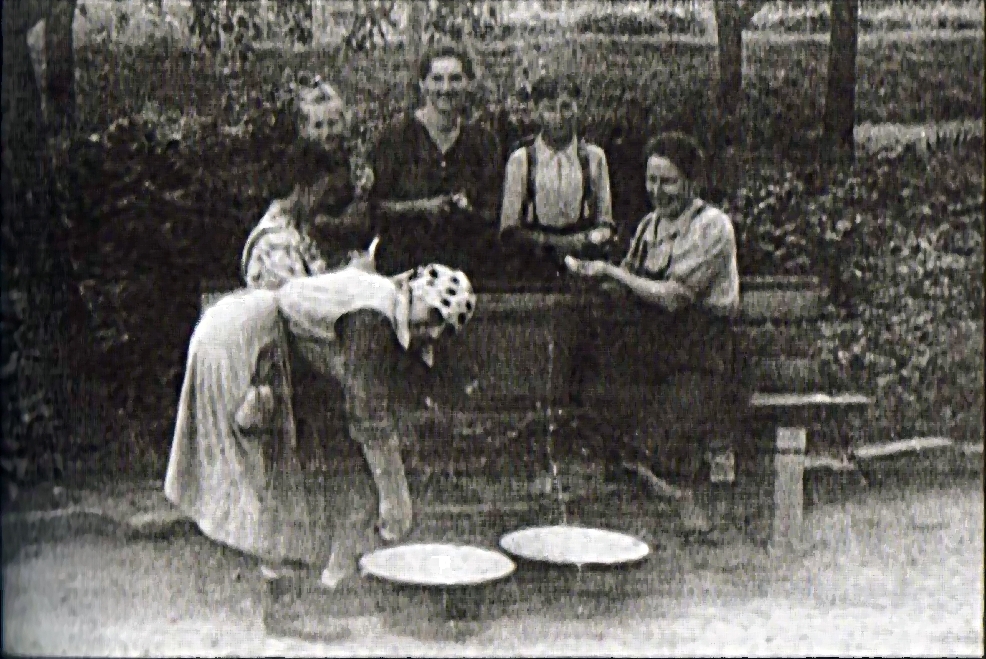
780, 331
503, 359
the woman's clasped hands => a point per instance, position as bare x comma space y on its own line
437, 208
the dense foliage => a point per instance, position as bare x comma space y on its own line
660, 20
899, 241
916, 81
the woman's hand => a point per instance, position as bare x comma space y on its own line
366, 261
435, 208
363, 180
600, 235
257, 409
461, 201
587, 268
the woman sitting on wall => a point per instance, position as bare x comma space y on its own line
437, 176
681, 275
320, 204
235, 467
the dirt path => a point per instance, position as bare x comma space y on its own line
885, 576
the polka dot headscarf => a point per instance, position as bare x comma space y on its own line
446, 290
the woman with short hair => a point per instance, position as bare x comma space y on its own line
681, 271
437, 175
317, 202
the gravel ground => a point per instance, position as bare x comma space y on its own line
885, 575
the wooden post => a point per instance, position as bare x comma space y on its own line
789, 495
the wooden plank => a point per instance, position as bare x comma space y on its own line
759, 304
769, 339
790, 409
826, 462
789, 474
871, 451
772, 400
488, 305
779, 283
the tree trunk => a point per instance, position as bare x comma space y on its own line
732, 16
25, 265
23, 130
60, 58
729, 28
840, 97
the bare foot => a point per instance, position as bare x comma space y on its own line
330, 579
336, 572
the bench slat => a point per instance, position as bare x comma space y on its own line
769, 400
870, 451
786, 375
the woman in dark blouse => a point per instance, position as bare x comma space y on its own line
437, 177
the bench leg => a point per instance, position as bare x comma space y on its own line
789, 495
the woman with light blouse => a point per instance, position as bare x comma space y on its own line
681, 271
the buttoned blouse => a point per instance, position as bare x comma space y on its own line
278, 250
408, 165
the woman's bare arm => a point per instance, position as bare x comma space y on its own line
667, 294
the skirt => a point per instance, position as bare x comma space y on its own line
668, 385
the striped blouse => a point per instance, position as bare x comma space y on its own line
697, 250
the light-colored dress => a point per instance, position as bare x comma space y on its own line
241, 486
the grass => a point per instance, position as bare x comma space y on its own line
876, 560
809, 17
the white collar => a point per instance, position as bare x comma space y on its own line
402, 314
680, 224
570, 152
402, 317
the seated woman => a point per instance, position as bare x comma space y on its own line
234, 466
319, 201
682, 273
437, 176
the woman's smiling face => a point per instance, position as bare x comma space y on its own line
445, 85
668, 189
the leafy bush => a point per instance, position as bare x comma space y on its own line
899, 241
660, 20
912, 82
